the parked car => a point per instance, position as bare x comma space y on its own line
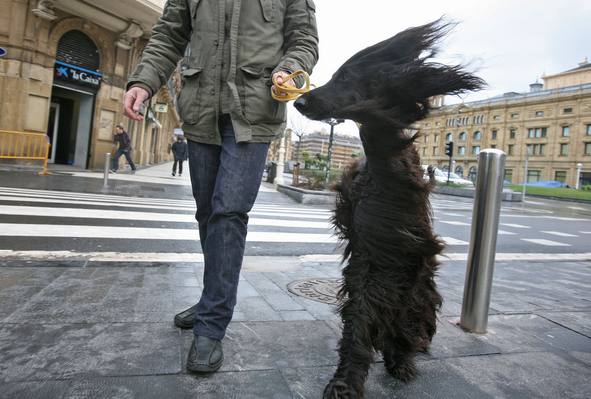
441, 177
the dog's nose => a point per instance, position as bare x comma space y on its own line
300, 103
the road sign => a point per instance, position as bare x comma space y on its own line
2, 52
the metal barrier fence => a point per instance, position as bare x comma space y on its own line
25, 146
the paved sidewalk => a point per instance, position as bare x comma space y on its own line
89, 329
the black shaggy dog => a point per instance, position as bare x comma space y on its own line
389, 300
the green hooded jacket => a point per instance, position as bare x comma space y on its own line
265, 36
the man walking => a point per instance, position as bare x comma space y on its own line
180, 151
232, 49
122, 138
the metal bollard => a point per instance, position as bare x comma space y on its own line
483, 240
107, 166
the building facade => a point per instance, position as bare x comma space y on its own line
344, 148
550, 126
275, 145
64, 72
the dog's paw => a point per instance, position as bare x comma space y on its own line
339, 389
405, 372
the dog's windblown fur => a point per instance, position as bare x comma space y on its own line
389, 300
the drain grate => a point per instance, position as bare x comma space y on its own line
317, 289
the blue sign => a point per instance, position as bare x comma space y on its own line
76, 74
2, 52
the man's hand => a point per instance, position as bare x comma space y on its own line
133, 101
279, 77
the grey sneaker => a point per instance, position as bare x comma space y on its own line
205, 356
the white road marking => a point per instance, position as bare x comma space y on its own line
577, 208
142, 233
147, 216
451, 214
517, 226
453, 241
197, 257
455, 223
547, 243
585, 232
506, 233
559, 234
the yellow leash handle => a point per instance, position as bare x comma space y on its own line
284, 92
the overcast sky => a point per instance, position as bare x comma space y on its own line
510, 43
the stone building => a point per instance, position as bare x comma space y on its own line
273, 154
64, 71
552, 122
344, 150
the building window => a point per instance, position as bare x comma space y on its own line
587, 148
462, 150
565, 131
588, 130
475, 150
494, 135
463, 136
568, 110
436, 139
539, 113
510, 149
536, 149
563, 149
496, 117
533, 176
435, 150
508, 175
515, 115
460, 171
512, 133
448, 137
493, 146
560, 175
536, 132
477, 135
426, 137
424, 151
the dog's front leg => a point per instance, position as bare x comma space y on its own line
355, 354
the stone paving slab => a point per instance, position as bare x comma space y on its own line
106, 331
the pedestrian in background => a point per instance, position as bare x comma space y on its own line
232, 49
122, 138
180, 151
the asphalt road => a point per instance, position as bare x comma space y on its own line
152, 220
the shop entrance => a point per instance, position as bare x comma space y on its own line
70, 117
76, 82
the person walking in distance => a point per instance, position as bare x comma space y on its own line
180, 151
122, 138
232, 49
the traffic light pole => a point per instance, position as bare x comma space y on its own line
449, 170
449, 151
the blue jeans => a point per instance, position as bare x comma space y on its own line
226, 181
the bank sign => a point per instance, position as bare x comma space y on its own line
78, 75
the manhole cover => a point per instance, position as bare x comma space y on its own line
317, 289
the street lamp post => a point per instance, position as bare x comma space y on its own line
578, 182
332, 122
525, 172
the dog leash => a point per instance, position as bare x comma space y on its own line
285, 93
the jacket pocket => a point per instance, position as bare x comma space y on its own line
188, 100
257, 104
268, 7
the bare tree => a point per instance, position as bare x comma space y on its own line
299, 125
